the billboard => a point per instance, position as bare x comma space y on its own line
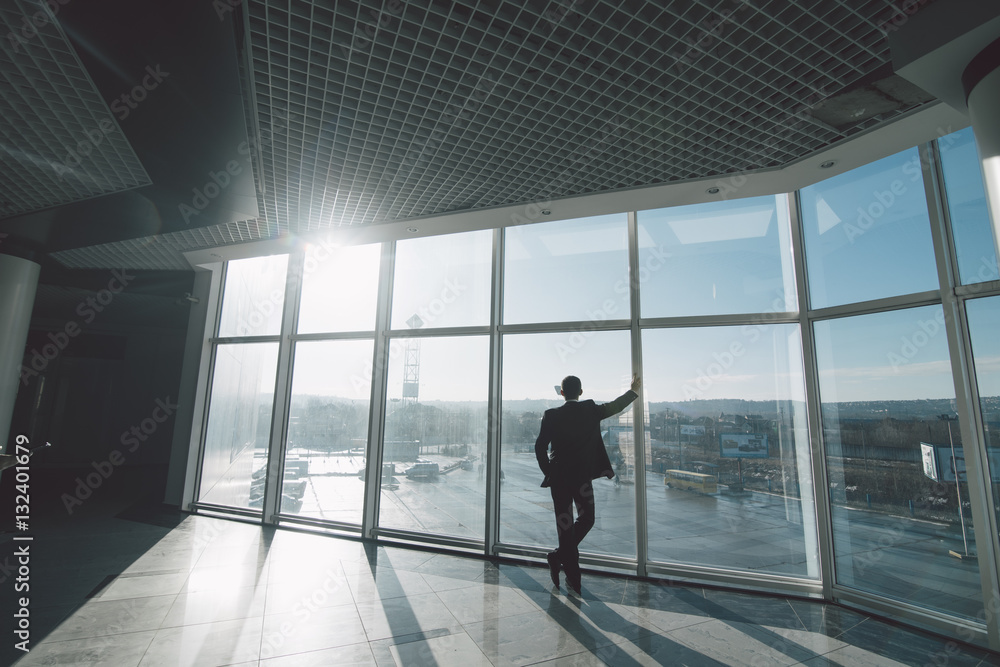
940, 462
692, 430
743, 445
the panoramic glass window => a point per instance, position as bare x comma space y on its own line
728, 476
328, 430
234, 458
339, 288
434, 443
716, 259
867, 234
567, 271
533, 365
254, 296
443, 281
984, 322
891, 439
969, 212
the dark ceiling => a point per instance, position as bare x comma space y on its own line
133, 131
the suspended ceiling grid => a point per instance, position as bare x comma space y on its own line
371, 112
59, 142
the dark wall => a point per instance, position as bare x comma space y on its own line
100, 379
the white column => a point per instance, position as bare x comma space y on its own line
982, 82
18, 281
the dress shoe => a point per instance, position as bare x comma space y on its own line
553, 558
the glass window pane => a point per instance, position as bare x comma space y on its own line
867, 234
716, 259
239, 425
434, 442
984, 322
443, 280
567, 271
887, 394
970, 215
728, 463
339, 288
254, 296
328, 430
532, 365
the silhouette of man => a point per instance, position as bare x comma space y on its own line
578, 456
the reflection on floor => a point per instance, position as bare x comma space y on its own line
154, 587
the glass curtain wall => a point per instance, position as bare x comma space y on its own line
899, 505
329, 409
237, 433
437, 387
422, 355
570, 278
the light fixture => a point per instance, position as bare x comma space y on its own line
827, 164
546, 211
412, 229
713, 190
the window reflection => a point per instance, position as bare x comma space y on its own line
239, 425
533, 365
715, 259
728, 474
339, 288
967, 208
891, 441
567, 271
443, 281
434, 443
254, 296
867, 233
328, 430
984, 322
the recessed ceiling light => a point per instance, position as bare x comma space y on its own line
828, 164
412, 229
713, 191
546, 211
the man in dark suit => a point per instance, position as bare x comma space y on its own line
578, 457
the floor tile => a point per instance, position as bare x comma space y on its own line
98, 618
354, 655
455, 650
307, 630
396, 616
206, 645
120, 650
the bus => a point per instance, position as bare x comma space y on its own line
695, 481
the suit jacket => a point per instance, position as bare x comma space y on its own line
574, 431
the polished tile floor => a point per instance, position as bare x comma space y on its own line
149, 586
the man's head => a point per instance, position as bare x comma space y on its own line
571, 387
